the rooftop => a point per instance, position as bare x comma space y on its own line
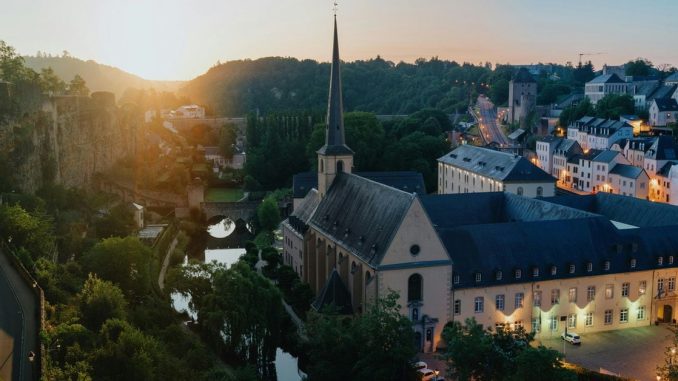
607, 78
408, 181
501, 166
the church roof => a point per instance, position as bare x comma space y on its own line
334, 294
335, 143
362, 215
407, 181
501, 166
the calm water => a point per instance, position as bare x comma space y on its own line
286, 366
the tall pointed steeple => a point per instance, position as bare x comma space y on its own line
335, 156
335, 143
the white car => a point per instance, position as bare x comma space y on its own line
426, 374
420, 365
571, 337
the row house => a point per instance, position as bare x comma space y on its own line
597, 133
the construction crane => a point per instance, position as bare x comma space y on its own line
588, 54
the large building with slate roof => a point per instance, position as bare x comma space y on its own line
602, 85
470, 169
597, 133
663, 111
584, 263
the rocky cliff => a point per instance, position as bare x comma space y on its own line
67, 141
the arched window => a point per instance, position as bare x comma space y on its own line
520, 191
340, 166
540, 191
414, 287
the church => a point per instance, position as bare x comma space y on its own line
579, 263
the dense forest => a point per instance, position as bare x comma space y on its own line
277, 84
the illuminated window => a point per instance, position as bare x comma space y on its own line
642, 287
553, 323
572, 295
555, 296
536, 325
536, 297
519, 300
672, 283
660, 285
589, 319
572, 321
624, 315
590, 293
641, 313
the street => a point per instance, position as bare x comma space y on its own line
487, 122
19, 324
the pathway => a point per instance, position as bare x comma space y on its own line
165, 263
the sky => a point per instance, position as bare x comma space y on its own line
181, 39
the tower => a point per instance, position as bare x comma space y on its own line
334, 157
522, 96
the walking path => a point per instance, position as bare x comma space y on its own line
165, 263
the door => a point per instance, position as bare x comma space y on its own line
668, 313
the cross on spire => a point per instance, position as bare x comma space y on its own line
335, 8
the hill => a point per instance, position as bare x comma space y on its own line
99, 77
277, 84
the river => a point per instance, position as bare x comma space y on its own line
286, 366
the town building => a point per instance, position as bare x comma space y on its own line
597, 133
522, 96
663, 111
602, 85
588, 263
470, 169
672, 79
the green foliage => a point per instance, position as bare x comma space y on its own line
575, 112
77, 86
118, 222
268, 214
640, 67
583, 73
32, 231
99, 301
475, 353
669, 370
227, 137
123, 261
612, 106
376, 345
51, 82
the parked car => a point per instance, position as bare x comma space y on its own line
427, 374
571, 337
420, 365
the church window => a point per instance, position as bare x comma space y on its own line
414, 287
340, 166
414, 249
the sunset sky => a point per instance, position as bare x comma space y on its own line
180, 39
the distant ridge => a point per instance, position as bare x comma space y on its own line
99, 77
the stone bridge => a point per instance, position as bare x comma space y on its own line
242, 210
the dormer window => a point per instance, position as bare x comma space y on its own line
519, 273
670, 259
606, 265
499, 275
589, 267
455, 279
571, 269
660, 261
633, 263
535, 272
479, 277
554, 270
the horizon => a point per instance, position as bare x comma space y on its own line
186, 42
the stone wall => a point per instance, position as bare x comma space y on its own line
68, 140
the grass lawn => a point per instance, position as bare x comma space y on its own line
223, 194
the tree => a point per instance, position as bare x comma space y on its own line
640, 67
32, 232
227, 138
51, 82
575, 112
118, 222
376, 345
479, 354
268, 214
123, 261
583, 73
612, 106
99, 301
669, 370
77, 86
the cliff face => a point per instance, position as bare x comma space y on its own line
69, 140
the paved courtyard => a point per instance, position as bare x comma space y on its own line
633, 353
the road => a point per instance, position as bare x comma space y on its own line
488, 122
19, 325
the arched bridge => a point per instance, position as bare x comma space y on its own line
242, 210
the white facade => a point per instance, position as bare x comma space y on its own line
661, 118
604, 85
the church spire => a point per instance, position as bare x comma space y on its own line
334, 129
